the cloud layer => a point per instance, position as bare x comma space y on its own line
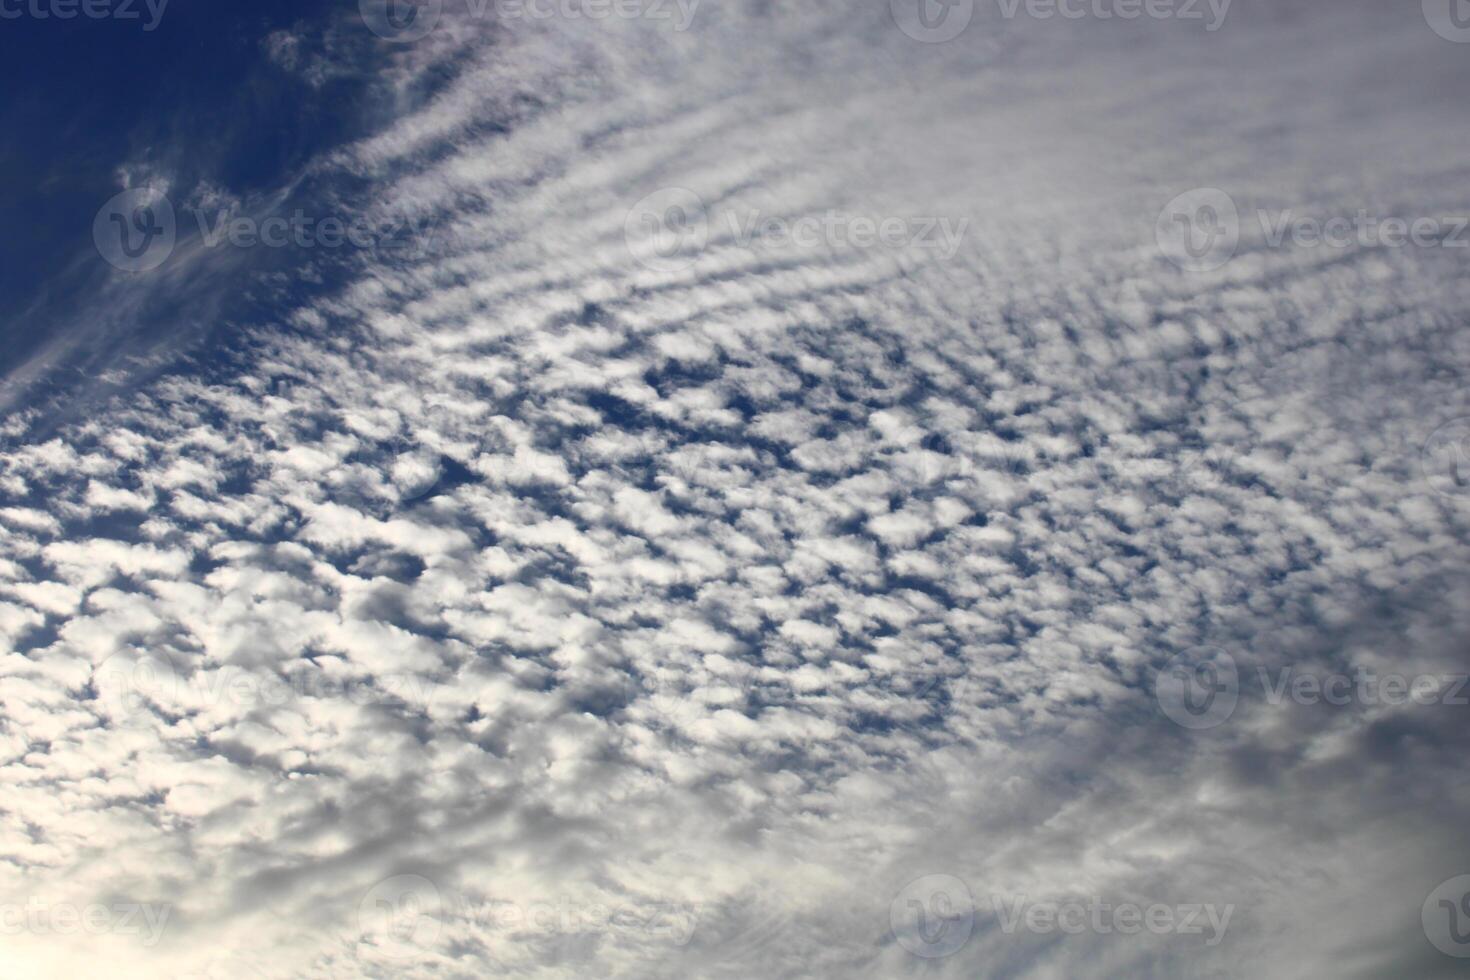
550, 606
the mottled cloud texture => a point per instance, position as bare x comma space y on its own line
584, 597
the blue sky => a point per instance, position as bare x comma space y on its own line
198, 97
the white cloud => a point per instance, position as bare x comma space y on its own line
762, 586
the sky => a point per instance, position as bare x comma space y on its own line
726, 489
